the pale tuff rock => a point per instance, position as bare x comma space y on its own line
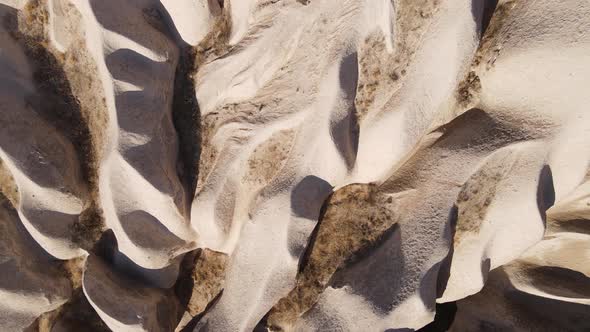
291, 165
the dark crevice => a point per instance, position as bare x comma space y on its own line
185, 108
574, 226
187, 120
304, 260
545, 192
262, 325
220, 3
199, 283
190, 327
106, 247
445, 268
482, 12
445, 314
185, 283
488, 11
485, 268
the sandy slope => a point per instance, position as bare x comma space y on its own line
300, 165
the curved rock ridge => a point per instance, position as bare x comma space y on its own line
294, 165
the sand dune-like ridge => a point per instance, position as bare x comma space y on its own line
289, 165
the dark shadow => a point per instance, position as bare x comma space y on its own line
488, 11
159, 278
117, 270
308, 197
348, 76
304, 259
44, 153
185, 108
215, 6
187, 120
375, 272
107, 249
345, 131
183, 288
472, 131
545, 192
106, 246
391, 237
26, 267
151, 161
444, 271
100, 276
482, 11
54, 103
59, 150
57, 106
192, 325
485, 269
445, 314
475, 128
142, 228
132, 67
428, 286
308, 200
53, 224
262, 325
560, 281
143, 23
576, 225
78, 315
129, 66
21, 253
528, 311
551, 314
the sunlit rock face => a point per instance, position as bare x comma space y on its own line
294, 165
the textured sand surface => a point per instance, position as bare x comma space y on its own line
294, 165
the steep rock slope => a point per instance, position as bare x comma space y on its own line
294, 165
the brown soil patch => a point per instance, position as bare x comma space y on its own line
71, 99
7, 185
353, 219
377, 69
201, 279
